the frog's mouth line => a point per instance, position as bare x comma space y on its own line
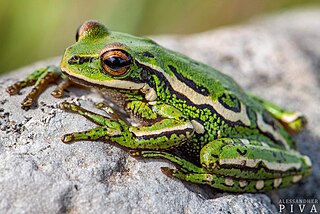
112, 84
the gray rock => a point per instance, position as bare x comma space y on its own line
276, 58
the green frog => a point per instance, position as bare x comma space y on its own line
180, 110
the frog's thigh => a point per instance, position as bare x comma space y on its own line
243, 158
232, 184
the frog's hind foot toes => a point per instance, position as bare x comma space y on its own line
294, 122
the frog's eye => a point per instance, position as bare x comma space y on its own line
116, 62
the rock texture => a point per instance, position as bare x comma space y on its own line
276, 57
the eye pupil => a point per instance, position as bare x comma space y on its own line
115, 62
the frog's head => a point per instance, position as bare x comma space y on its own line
108, 59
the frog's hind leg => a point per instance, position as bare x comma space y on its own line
189, 172
232, 184
252, 159
293, 122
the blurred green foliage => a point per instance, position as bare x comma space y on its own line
31, 30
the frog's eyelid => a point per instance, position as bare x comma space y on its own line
113, 46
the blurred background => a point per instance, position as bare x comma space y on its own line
38, 29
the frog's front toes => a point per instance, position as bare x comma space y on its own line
108, 109
167, 171
66, 106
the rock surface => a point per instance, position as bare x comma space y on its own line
277, 58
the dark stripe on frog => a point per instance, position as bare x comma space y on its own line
242, 153
253, 117
147, 54
181, 97
271, 136
230, 102
168, 134
268, 119
259, 166
198, 88
78, 60
251, 114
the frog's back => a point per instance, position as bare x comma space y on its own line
198, 86
207, 82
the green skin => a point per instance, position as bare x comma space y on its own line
189, 113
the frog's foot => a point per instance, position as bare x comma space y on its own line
109, 126
109, 110
93, 117
181, 163
233, 184
293, 122
100, 133
58, 91
40, 79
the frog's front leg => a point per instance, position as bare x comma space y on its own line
40, 78
170, 130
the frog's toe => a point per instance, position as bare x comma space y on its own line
12, 90
167, 171
59, 90
27, 103
69, 106
135, 153
57, 93
67, 138
106, 108
65, 105
294, 122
